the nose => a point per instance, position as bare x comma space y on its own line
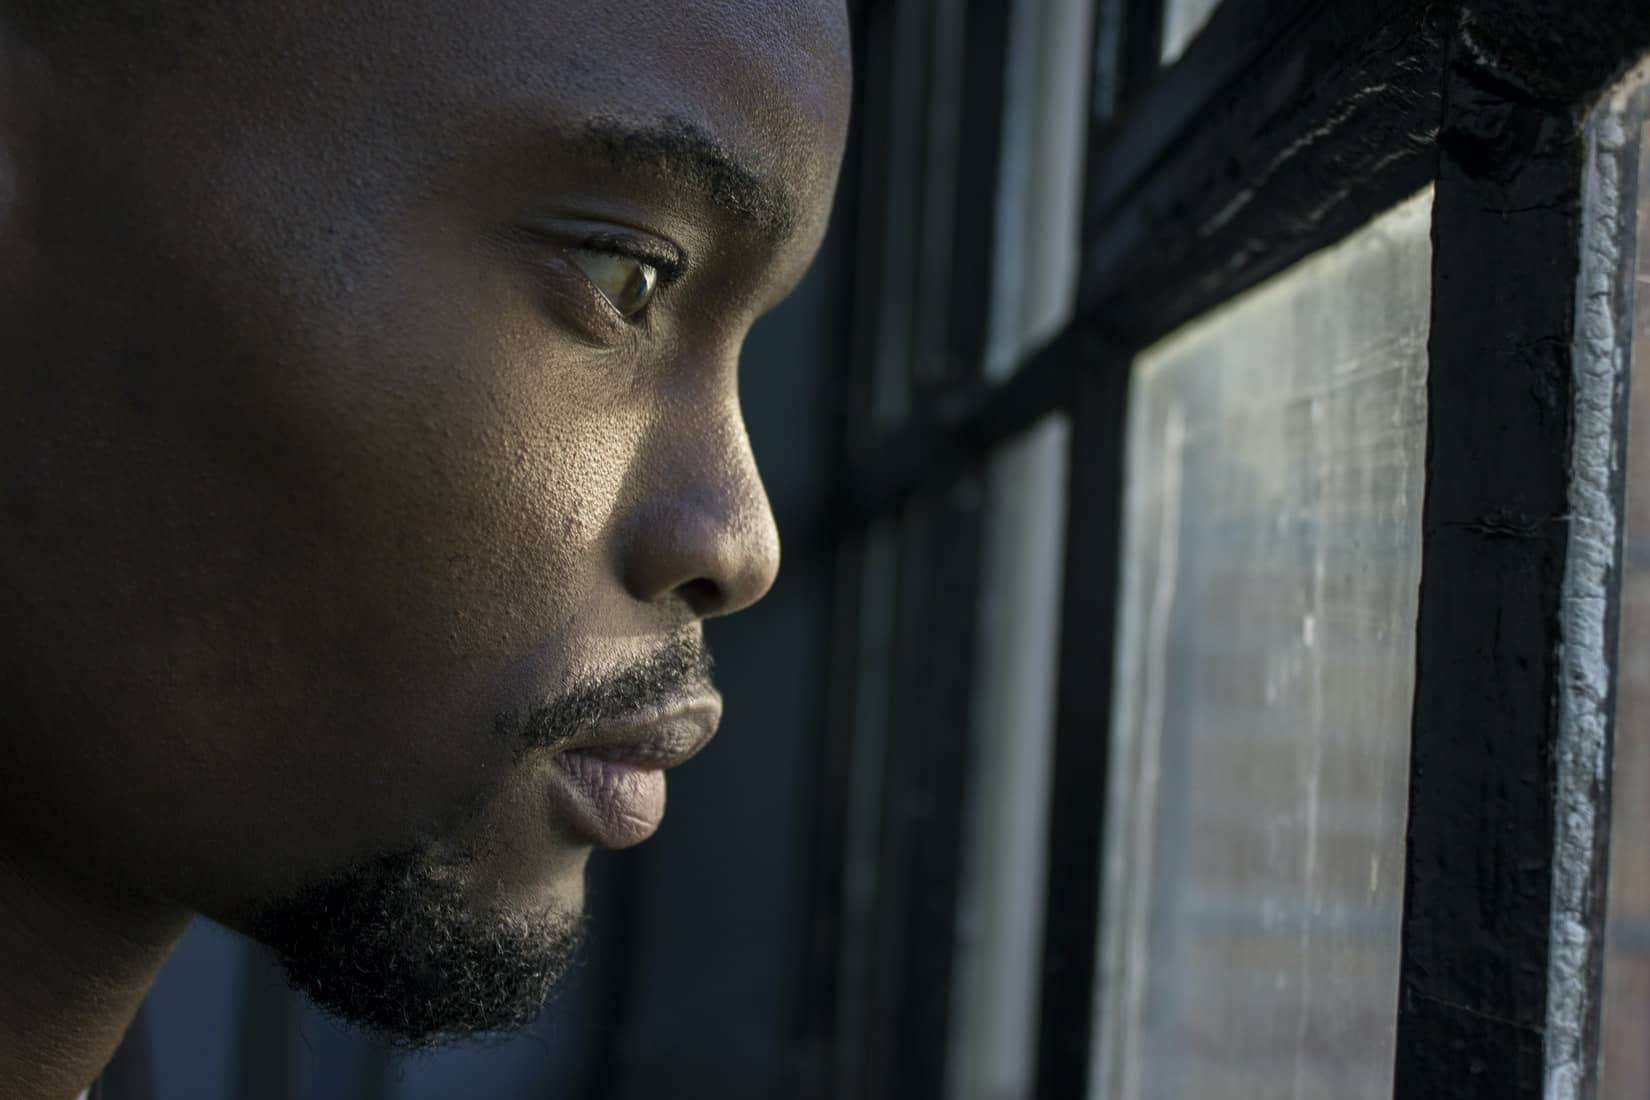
703, 531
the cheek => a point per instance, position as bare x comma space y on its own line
311, 490
296, 583
471, 462
459, 480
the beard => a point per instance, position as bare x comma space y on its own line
396, 946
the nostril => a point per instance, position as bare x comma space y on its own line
702, 594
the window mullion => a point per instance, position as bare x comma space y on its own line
1477, 933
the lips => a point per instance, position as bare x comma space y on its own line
609, 786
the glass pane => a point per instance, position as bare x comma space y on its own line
1265, 673
1182, 19
1040, 178
1000, 918
1626, 1018
901, 199
992, 1031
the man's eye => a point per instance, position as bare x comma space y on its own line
623, 280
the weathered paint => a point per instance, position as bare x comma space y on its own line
1591, 592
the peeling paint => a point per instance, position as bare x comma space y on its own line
1603, 338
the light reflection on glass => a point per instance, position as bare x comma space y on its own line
1182, 20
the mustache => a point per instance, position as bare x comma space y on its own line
683, 666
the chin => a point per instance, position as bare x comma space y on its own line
397, 946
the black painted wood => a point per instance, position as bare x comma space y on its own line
1201, 213
944, 435
1094, 514
1137, 136
1324, 119
1473, 985
1140, 50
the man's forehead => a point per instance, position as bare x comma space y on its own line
750, 91
747, 101
743, 102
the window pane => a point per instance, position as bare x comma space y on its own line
1040, 178
1000, 919
1265, 673
1626, 1017
1182, 19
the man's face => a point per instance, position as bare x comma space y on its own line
369, 436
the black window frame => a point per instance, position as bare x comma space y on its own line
1285, 125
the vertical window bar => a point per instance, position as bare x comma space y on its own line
1001, 908
1094, 511
1473, 992
1142, 48
1127, 37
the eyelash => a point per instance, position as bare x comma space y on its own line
668, 262
668, 268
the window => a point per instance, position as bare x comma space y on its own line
1322, 810
1266, 660
1181, 22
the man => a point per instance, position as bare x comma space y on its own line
370, 456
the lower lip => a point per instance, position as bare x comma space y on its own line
613, 805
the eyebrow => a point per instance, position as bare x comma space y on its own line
685, 153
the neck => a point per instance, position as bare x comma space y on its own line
76, 969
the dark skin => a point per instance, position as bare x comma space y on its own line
323, 442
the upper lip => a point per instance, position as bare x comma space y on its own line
660, 736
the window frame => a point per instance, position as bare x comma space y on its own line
1284, 125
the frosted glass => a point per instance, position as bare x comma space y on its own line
1260, 760
1182, 19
